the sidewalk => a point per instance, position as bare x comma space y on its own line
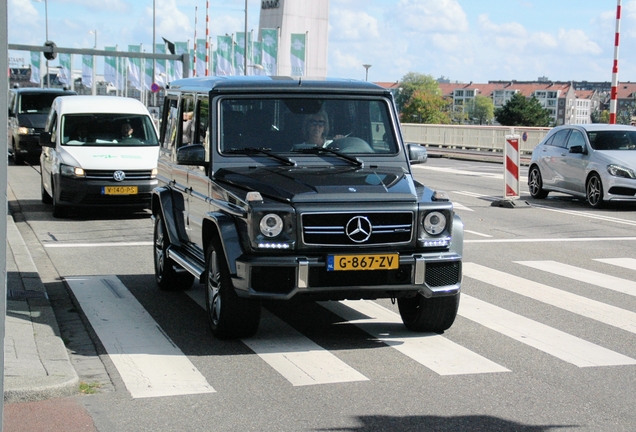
36, 362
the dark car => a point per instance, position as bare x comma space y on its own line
287, 188
28, 110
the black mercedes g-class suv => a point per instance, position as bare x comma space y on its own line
285, 188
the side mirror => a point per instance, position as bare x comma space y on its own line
577, 149
45, 139
417, 153
193, 154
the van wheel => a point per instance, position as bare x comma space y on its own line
59, 211
168, 275
421, 314
17, 158
46, 198
230, 316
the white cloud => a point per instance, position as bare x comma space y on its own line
352, 25
576, 42
431, 16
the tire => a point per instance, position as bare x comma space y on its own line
46, 198
535, 183
229, 316
420, 314
168, 275
17, 157
59, 211
594, 191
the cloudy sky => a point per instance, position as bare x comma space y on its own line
463, 40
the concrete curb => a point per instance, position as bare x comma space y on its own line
37, 364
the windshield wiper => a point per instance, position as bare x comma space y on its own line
319, 150
265, 151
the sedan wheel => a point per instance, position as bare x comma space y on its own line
535, 184
594, 191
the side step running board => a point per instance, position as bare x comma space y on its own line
180, 258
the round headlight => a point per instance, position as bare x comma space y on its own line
271, 225
434, 223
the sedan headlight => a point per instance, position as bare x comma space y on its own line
620, 171
271, 225
434, 223
71, 171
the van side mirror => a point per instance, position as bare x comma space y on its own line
45, 139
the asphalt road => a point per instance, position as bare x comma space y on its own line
545, 338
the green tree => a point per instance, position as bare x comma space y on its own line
481, 109
424, 107
600, 116
519, 111
416, 82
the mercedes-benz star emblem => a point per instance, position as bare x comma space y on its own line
119, 175
359, 229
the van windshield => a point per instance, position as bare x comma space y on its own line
36, 103
108, 129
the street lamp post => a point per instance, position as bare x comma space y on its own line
46, 35
94, 92
366, 75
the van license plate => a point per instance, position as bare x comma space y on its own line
119, 190
363, 262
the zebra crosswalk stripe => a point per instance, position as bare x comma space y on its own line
584, 275
540, 336
149, 363
574, 303
434, 351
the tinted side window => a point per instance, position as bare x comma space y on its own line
169, 123
187, 123
560, 138
576, 139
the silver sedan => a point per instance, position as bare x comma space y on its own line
593, 161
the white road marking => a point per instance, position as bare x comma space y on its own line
149, 363
477, 233
628, 263
458, 206
602, 280
431, 350
296, 357
105, 244
607, 314
460, 172
553, 240
559, 344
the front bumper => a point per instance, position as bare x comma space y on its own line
28, 145
284, 277
81, 192
619, 188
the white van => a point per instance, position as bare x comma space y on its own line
98, 151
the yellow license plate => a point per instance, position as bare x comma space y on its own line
119, 190
363, 262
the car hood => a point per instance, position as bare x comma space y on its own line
626, 158
322, 184
36, 121
105, 158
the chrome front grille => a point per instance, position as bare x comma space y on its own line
108, 174
347, 229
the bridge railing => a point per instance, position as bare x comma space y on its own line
491, 138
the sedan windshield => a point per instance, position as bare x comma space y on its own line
613, 140
107, 129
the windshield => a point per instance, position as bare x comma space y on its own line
106, 129
293, 125
613, 140
36, 103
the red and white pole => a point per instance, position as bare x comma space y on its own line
614, 94
207, 38
194, 61
512, 161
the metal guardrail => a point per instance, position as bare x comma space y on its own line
491, 138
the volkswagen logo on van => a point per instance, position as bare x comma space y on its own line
359, 229
119, 175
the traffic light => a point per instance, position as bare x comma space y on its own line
50, 55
